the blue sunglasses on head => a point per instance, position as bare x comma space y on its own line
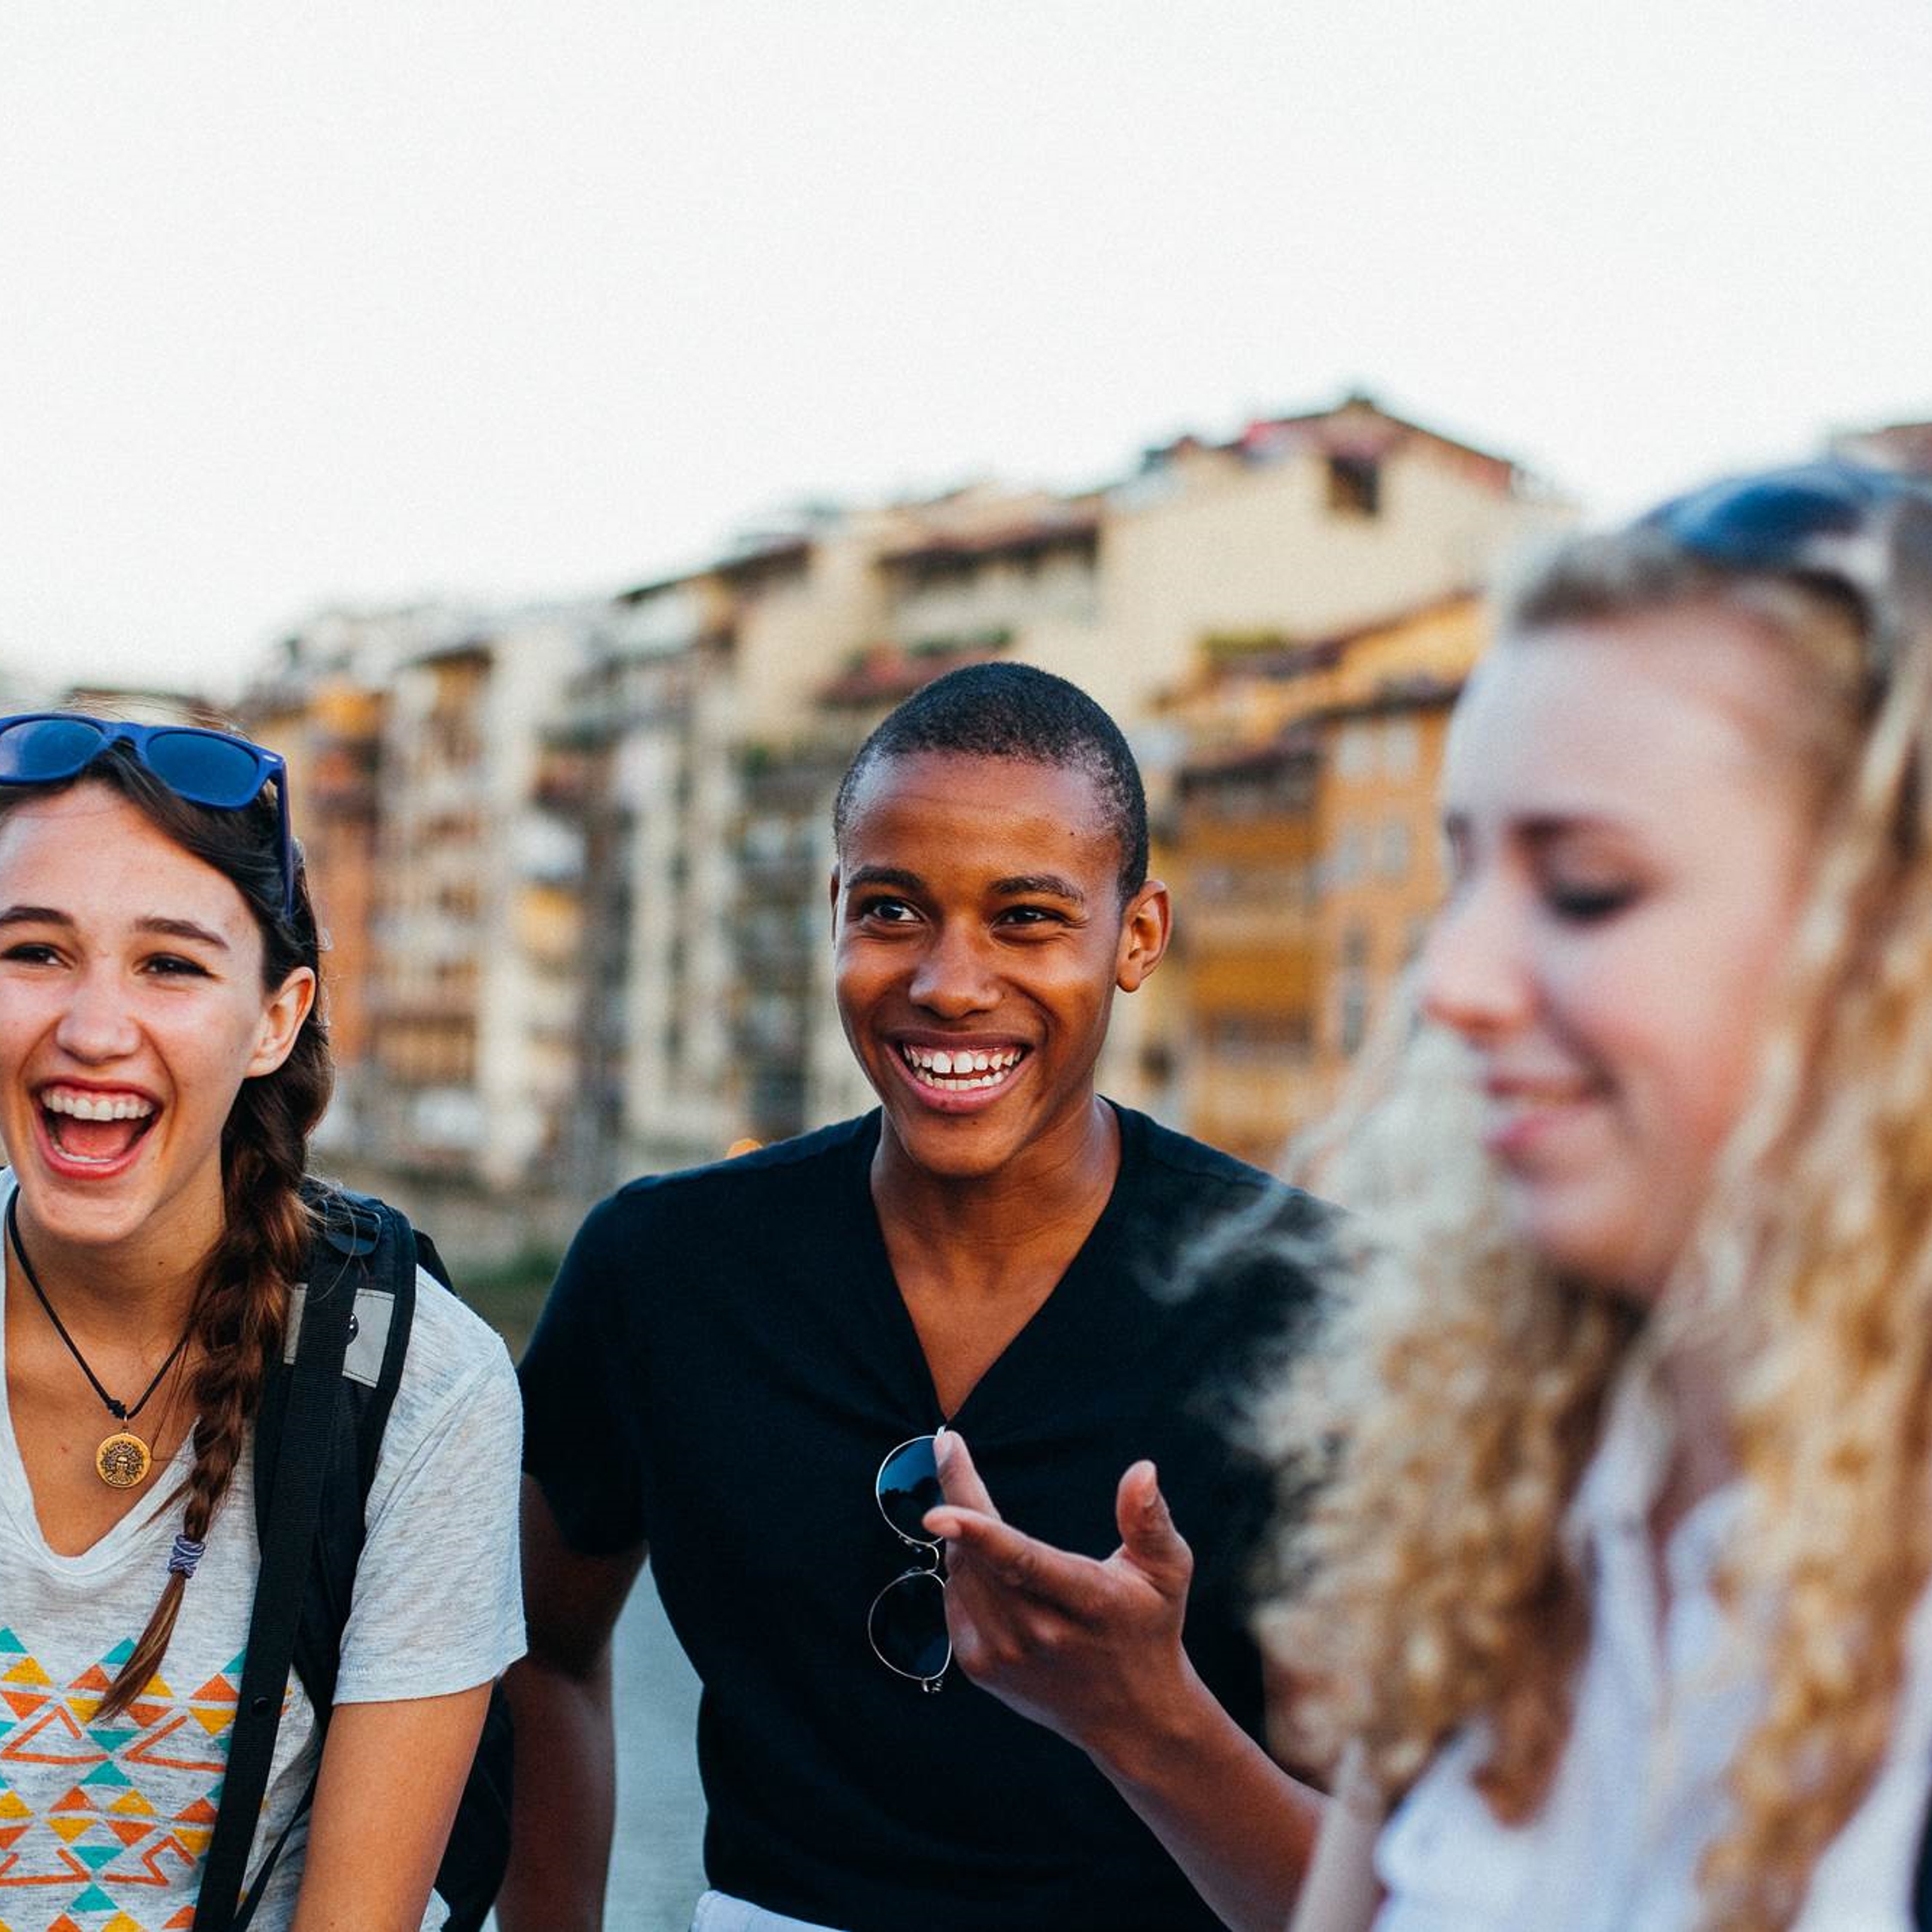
205, 767
1868, 533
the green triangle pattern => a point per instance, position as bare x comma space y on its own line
9, 1642
94, 1856
109, 1773
92, 1899
120, 1654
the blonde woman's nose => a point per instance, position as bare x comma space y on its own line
1475, 973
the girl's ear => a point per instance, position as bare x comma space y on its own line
282, 1017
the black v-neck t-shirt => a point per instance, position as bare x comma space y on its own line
723, 1362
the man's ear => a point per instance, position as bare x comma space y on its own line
832, 894
1145, 928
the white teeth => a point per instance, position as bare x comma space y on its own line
960, 1072
96, 1106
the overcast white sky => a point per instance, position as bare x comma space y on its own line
377, 299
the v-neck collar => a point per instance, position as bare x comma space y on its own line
1085, 1275
17, 1493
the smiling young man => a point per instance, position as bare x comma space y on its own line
732, 1356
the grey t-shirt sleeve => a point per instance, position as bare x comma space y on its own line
438, 1604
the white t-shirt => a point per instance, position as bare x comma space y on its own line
105, 1827
1662, 1708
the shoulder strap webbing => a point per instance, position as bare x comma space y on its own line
279, 1590
1922, 1880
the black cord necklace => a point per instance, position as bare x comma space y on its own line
123, 1460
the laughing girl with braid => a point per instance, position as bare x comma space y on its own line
163, 1060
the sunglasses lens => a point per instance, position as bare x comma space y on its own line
1765, 522
908, 1485
210, 770
908, 1626
47, 748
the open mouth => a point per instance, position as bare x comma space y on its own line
92, 1129
966, 1070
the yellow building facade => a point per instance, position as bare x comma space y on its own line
1305, 859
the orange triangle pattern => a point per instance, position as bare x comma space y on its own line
105, 1833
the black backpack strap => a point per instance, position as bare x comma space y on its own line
1922, 1880
368, 1248
361, 1258
308, 1415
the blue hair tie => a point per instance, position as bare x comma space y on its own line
186, 1554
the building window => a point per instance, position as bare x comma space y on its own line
1355, 751
1354, 486
1349, 859
1395, 849
1253, 1036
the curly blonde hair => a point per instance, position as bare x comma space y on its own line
1456, 1391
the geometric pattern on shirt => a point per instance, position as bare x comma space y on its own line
104, 1826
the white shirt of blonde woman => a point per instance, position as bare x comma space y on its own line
1661, 1708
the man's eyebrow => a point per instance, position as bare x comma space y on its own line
180, 928
894, 876
34, 915
1026, 885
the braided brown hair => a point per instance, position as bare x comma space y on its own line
241, 1306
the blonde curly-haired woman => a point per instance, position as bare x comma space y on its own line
1614, 1603
1611, 1614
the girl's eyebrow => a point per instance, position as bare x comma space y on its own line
1540, 828
34, 915
154, 923
180, 928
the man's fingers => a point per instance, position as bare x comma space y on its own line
958, 1479
1147, 1533
1004, 1556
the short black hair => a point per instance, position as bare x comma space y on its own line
1015, 711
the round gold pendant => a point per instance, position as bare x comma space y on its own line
123, 1461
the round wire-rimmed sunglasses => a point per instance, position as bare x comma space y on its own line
205, 767
906, 1623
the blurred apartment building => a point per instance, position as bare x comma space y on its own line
575, 859
1305, 859
1906, 445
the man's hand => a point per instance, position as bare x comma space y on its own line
1091, 1650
